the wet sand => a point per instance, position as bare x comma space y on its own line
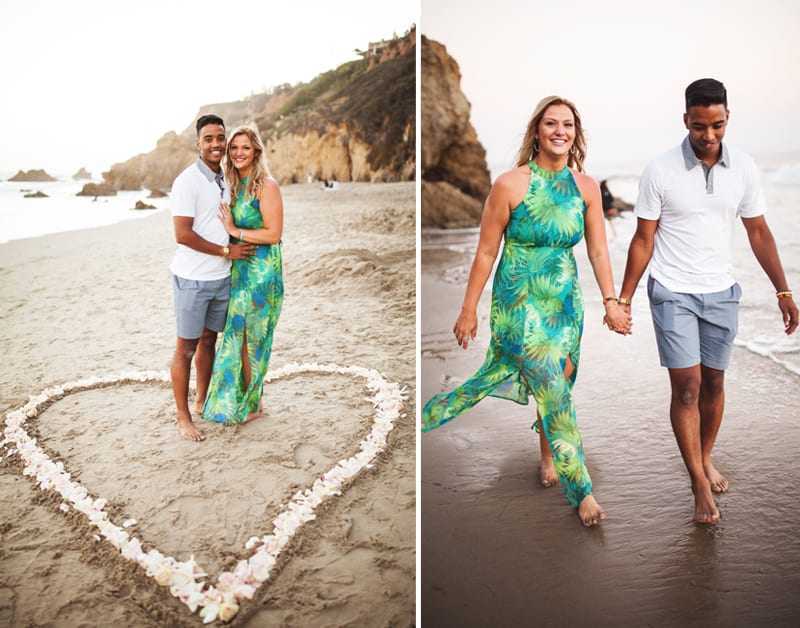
99, 302
499, 549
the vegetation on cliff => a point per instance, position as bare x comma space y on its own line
353, 123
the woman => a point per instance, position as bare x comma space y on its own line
255, 216
542, 207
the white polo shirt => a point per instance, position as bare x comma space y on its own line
696, 208
197, 193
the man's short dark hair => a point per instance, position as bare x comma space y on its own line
208, 119
706, 92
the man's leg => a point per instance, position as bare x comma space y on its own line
180, 370
204, 363
712, 404
684, 415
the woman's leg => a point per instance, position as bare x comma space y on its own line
557, 411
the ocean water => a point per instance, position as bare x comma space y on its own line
62, 210
760, 323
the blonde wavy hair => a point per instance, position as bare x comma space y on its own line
577, 152
258, 173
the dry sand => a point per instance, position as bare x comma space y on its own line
98, 302
499, 549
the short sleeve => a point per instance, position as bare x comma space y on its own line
753, 202
648, 203
184, 196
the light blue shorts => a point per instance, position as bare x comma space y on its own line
200, 304
694, 328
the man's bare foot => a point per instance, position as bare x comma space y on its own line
705, 509
188, 430
719, 484
589, 511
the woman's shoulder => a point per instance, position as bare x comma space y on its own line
267, 185
584, 181
512, 180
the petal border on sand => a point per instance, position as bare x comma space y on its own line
186, 580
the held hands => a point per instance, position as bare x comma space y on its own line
465, 328
618, 318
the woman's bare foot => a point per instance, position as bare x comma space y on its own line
188, 430
547, 472
589, 511
705, 509
257, 413
252, 415
719, 484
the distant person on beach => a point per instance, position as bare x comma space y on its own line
200, 268
541, 208
253, 218
609, 211
689, 199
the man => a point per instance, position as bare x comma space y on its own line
200, 268
689, 199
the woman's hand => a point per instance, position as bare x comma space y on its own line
227, 218
618, 319
466, 327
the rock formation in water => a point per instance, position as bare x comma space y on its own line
97, 189
455, 177
32, 175
354, 123
81, 174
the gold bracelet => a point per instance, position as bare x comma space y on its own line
783, 294
607, 299
624, 301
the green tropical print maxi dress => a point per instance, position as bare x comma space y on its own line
253, 311
536, 323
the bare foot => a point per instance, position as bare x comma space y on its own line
257, 413
547, 472
719, 484
188, 430
198, 408
589, 511
252, 415
705, 510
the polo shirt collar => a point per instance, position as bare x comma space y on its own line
209, 174
691, 160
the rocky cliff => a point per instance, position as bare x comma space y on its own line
353, 123
455, 178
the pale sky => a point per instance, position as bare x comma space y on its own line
94, 82
625, 64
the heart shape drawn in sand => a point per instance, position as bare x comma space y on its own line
186, 579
